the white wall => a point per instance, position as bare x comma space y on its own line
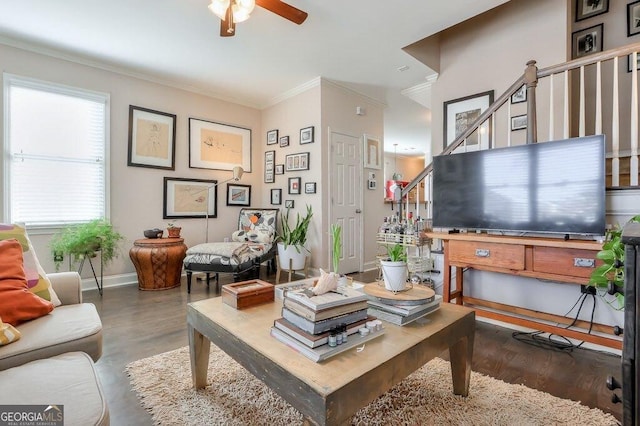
288, 117
136, 192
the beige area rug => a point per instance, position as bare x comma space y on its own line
163, 384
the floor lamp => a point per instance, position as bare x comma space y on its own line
237, 174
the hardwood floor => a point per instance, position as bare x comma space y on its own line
138, 324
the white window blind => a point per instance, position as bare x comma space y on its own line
56, 167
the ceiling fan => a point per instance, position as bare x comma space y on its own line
234, 11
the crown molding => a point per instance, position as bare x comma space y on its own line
86, 61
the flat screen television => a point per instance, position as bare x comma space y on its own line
548, 187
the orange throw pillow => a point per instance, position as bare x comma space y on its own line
17, 303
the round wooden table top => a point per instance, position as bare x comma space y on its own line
157, 242
414, 296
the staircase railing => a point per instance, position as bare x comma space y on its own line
582, 89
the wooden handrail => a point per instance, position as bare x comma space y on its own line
541, 73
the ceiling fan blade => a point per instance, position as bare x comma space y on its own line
227, 26
283, 9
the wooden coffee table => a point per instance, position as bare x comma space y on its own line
332, 391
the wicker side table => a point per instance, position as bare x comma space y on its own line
158, 262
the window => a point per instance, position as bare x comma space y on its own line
56, 144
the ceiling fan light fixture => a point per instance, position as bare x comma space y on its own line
219, 7
241, 9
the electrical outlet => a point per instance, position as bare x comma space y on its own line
588, 289
58, 257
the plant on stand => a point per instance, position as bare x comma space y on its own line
291, 241
85, 240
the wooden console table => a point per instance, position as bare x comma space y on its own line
570, 261
158, 262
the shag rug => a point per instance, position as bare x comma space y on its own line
236, 397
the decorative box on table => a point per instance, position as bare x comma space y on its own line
247, 293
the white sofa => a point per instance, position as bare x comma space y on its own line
73, 326
53, 362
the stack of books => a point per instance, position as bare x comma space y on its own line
401, 314
308, 321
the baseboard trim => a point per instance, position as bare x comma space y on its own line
89, 284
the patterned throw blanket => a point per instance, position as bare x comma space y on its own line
231, 249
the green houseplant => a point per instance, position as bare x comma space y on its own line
336, 239
610, 275
86, 239
291, 240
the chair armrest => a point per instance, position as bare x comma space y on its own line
67, 286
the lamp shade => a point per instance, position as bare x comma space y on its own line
237, 172
241, 9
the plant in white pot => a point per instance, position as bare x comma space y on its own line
291, 241
394, 268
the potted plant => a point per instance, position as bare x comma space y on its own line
394, 268
291, 240
173, 231
610, 275
86, 239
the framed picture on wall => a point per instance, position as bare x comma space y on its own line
310, 188
152, 136
289, 204
460, 114
269, 166
306, 135
276, 196
272, 137
299, 161
587, 41
238, 195
590, 8
279, 169
294, 185
284, 141
218, 146
519, 122
372, 152
633, 18
520, 95
189, 198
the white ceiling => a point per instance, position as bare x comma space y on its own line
356, 43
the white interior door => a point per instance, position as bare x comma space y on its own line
346, 198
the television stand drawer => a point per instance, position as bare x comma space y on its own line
562, 261
500, 256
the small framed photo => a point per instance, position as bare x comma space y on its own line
238, 195
630, 62
276, 197
633, 18
189, 198
288, 204
590, 8
587, 41
309, 187
299, 161
279, 169
519, 122
272, 137
306, 135
520, 95
284, 141
269, 166
294, 185
152, 136
372, 184
372, 152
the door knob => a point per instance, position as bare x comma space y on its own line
358, 211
